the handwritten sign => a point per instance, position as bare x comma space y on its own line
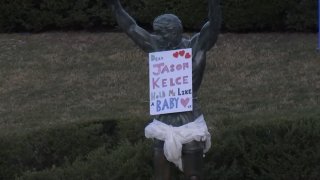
170, 74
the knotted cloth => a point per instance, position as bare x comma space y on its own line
175, 137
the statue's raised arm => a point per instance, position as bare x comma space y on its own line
209, 33
140, 36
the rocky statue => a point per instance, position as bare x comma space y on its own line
168, 35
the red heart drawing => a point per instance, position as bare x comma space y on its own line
188, 55
185, 101
181, 53
176, 54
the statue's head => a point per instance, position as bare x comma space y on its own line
169, 27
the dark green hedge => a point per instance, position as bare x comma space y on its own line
31, 15
270, 149
127, 161
270, 15
238, 16
52, 147
61, 145
267, 150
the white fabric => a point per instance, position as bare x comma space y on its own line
175, 137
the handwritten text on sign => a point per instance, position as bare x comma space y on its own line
170, 74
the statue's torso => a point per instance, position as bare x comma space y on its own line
198, 65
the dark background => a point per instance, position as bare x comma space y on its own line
94, 15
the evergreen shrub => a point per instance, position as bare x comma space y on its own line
246, 15
30, 15
52, 147
238, 16
277, 148
269, 149
301, 15
126, 161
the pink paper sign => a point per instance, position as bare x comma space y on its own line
170, 74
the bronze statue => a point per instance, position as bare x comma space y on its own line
168, 36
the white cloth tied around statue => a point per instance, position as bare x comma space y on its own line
175, 137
